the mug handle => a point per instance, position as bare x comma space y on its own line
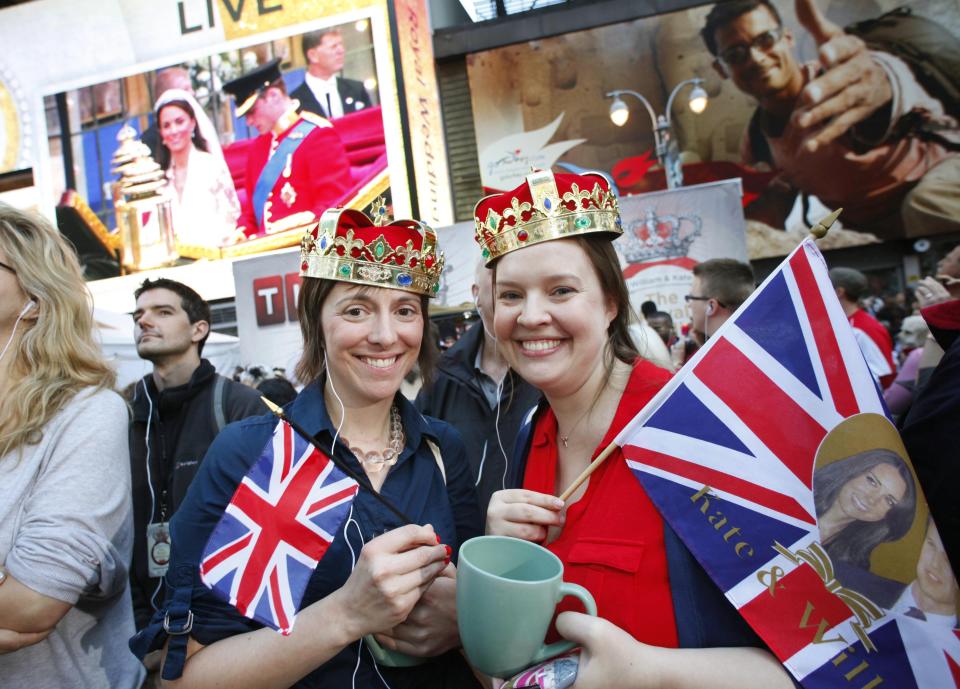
557, 647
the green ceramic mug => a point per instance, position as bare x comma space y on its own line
507, 592
384, 656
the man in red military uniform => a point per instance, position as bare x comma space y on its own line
297, 167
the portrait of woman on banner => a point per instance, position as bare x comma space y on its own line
862, 501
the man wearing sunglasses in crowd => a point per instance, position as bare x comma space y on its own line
830, 127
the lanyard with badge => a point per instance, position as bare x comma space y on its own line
158, 533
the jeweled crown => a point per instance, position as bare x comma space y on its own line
347, 246
545, 207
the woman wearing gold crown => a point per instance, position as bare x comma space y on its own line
363, 314
561, 315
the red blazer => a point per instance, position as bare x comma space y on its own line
316, 178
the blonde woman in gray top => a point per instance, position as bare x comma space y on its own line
65, 514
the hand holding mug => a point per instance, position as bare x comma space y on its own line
392, 572
431, 627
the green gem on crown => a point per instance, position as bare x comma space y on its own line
486, 253
344, 270
379, 249
582, 222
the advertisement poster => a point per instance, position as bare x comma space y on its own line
668, 232
104, 84
523, 88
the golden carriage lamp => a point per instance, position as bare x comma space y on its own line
143, 210
666, 147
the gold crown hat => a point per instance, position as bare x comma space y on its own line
545, 207
347, 246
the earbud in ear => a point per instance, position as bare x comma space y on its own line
26, 308
710, 309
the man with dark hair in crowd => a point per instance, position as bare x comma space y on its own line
720, 286
843, 129
178, 409
323, 90
297, 167
662, 323
647, 308
874, 340
278, 390
476, 392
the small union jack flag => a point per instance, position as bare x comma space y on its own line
727, 452
276, 528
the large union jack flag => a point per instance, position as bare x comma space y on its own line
277, 526
727, 452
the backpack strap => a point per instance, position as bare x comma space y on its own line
219, 393
178, 622
173, 622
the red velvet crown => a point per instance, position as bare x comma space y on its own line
346, 245
545, 207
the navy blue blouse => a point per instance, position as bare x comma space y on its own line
415, 485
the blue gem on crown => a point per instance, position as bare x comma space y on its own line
404, 279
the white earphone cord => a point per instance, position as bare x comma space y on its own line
23, 312
153, 496
350, 520
496, 420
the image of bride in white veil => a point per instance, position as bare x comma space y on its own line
205, 203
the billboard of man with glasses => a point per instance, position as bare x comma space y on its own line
842, 128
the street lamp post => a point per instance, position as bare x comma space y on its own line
666, 149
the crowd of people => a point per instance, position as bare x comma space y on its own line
108, 509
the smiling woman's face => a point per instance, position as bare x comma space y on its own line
551, 315
372, 338
868, 496
176, 128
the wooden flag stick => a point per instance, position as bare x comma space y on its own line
585, 474
362, 481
